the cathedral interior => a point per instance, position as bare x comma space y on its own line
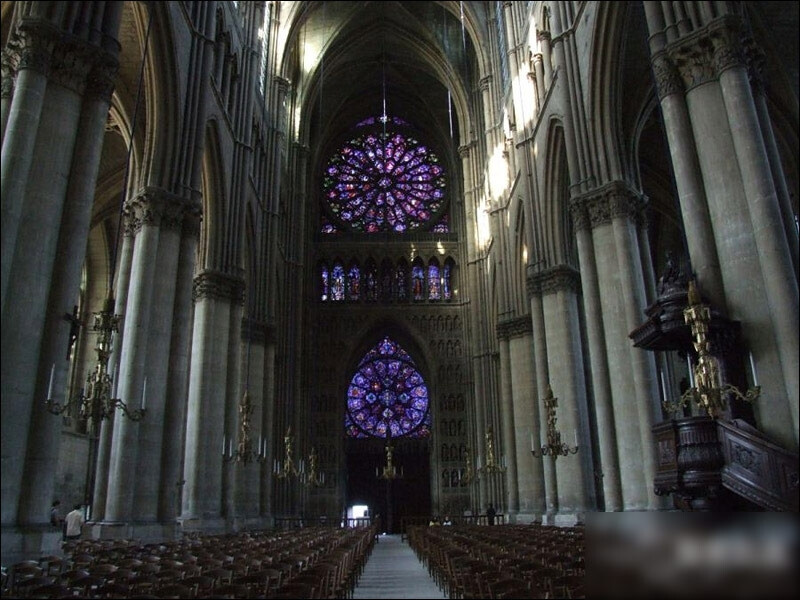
295, 262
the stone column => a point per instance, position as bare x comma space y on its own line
775, 260
30, 50
624, 398
33, 231
107, 426
566, 378
157, 335
45, 435
507, 417
530, 472
268, 423
172, 480
542, 376
214, 294
125, 468
601, 386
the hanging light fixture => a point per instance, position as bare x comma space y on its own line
554, 446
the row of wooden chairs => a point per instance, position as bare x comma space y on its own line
323, 563
512, 561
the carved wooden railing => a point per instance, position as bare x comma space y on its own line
756, 468
701, 461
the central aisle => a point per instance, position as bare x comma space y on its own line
393, 571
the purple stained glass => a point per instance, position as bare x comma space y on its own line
327, 226
387, 394
443, 226
384, 182
447, 289
354, 283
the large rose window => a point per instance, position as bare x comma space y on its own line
384, 182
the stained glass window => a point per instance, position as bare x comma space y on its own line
401, 281
443, 226
387, 393
325, 283
327, 226
387, 270
417, 281
446, 285
337, 282
371, 281
384, 182
434, 283
353, 283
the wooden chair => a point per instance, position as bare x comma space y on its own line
175, 590
232, 590
203, 585
113, 590
295, 590
25, 587
53, 590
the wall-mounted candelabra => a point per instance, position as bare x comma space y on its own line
492, 465
468, 474
312, 478
554, 446
96, 403
287, 468
707, 391
244, 452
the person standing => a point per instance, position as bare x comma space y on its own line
490, 514
74, 523
56, 519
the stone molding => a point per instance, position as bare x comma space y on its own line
216, 285
602, 205
517, 327
668, 79
554, 279
7, 65
154, 206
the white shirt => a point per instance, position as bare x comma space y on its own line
74, 522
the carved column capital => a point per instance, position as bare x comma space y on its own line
101, 78
517, 327
31, 45
554, 279
725, 35
7, 66
70, 65
154, 206
218, 286
601, 205
668, 79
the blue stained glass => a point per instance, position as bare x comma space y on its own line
434, 284
325, 283
337, 284
353, 283
387, 390
393, 165
448, 292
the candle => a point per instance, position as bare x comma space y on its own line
663, 388
259, 445
691, 373
144, 393
223, 445
230, 447
576, 437
53, 373
531, 435
753, 369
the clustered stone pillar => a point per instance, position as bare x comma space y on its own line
136, 494
509, 421
530, 473
559, 289
57, 86
729, 188
612, 211
216, 294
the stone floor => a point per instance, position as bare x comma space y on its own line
393, 571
